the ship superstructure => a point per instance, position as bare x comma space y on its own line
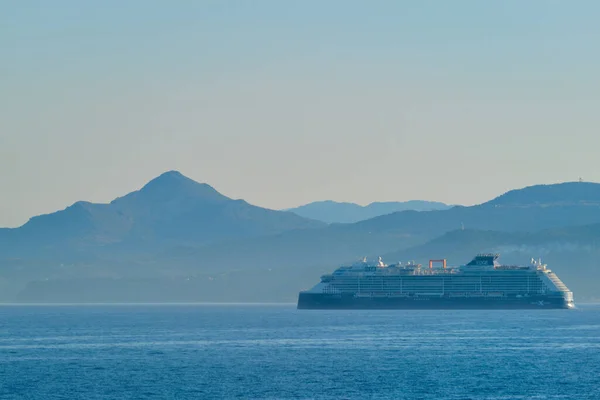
482, 283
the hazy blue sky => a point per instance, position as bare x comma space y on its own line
282, 103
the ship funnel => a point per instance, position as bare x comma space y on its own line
443, 261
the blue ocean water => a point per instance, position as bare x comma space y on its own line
278, 352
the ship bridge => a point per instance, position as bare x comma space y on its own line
484, 260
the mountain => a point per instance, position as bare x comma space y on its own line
529, 209
169, 210
177, 240
571, 252
339, 212
177, 209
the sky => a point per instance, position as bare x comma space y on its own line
284, 103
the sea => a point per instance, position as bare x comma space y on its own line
273, 351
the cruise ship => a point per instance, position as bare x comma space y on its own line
483, 283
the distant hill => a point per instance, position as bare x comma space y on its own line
571, 252
561, 194
460, 245
529, 209
170, 210
178, 240
339, 212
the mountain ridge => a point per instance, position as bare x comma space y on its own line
167, 207
557, 194
330, 211
174, 229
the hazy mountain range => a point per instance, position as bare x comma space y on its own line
179, 240
341, 212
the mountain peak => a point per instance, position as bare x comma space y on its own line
171, 177
172, 185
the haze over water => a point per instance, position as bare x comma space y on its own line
277, 352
